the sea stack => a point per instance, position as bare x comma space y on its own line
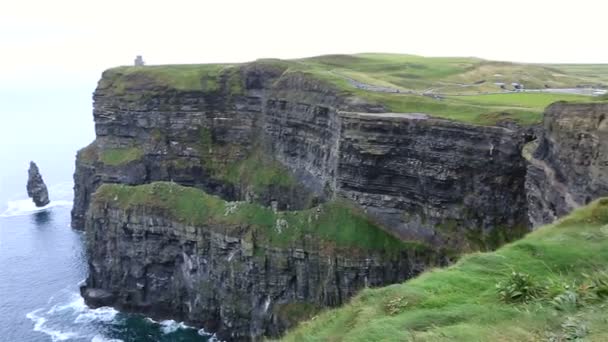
36, 189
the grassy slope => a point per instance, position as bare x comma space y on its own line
451, 76
332, 225
461, 303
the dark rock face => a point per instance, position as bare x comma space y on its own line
141, 261
36, 189
569, 167
444, 184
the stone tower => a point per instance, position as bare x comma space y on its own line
139, 61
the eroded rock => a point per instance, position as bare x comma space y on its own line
36, 189
569, 168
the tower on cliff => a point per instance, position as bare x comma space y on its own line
139, 61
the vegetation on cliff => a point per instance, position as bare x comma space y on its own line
463, 89
329, 226
552, 285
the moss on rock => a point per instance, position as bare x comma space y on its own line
334, 225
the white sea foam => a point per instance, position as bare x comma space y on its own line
99, 338
85, 314
26, 207
40, 325
211, 337
170, 326
103, 314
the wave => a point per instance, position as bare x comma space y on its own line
45, 320
27, 207
69, 311
170, 326
99, 338
40, 325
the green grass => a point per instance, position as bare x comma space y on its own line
456, 108
259, 171
120, 156
186, 77
89, 154
449, 76
331, 226
461, 303
532, 101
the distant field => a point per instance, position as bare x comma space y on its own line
469, 87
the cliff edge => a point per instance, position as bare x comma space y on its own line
244, 198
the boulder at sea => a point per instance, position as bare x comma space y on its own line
36, 189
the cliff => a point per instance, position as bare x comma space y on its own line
239, 269
549, 286
255, 150
568, 164
289, 140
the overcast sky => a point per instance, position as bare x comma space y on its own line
67, 40
52, 52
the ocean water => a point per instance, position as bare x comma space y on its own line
42, 260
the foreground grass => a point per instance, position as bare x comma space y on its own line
335, 225
461, 303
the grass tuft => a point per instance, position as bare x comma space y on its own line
331, 226
120, 156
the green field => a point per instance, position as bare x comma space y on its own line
551, 285
467, 86
334, 225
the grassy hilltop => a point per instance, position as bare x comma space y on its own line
402, 83
550, 286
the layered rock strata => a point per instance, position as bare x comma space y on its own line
568, 164
228, 270
36, 189
287, 142
427, 179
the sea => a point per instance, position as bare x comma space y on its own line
43, 260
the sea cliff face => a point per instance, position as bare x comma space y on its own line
442, 182
292, 142
292, 145
238, 269
568, 165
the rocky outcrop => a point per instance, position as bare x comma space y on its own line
259, 134
426, 179
432, 180
36, 189
234, 275
568, 165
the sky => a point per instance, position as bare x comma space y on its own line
52, 52
67, 41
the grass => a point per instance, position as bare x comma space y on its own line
120, 156
457, 108
461, 303
449, 76
113, 156
89, 154
256, 171
185, 77
259, 171
332, 226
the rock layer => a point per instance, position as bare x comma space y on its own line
289, 141
568, 166
36, 189
427, 179
223, 275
